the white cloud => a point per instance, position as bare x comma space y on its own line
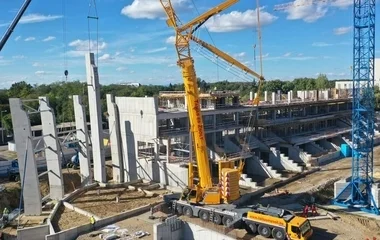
35, 18
321, 44
150, 9
82, 46
172, 65
235, 20
19, 57
307, 10
17, 38
287, 54
120, 69
28, 39
37, 64
311, 10
342, 30
342, 3
131, 71
170, 40
156, 50
105, 57
50, 38
41, 73
240, 55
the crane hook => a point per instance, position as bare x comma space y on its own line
66, 73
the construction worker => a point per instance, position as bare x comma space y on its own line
5, 214
92, 221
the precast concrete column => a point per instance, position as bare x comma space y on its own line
93, 88
130, 153
255, 95
291, 94
266, 96
115, 140
303, 96
83, 138
273, 98
251, 96
53, 149
25, 155
289, 97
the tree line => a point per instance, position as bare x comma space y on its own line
60, 93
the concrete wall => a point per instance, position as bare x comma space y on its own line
33, 233
138, 122
174, 228
253, 166
73, 233
293, 153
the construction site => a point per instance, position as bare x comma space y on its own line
198, 164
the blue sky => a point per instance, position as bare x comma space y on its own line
135, 44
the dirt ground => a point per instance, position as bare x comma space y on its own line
66, 219
100, 204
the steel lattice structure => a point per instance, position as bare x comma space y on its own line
362, 110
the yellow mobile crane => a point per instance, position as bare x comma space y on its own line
204, 191
204, 199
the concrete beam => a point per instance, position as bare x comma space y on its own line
82, 136
52, 152
93, 88
25, 153
115, 140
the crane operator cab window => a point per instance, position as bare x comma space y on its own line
302, 232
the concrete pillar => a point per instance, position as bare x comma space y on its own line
291, 94
168, 147
266, 96
303, 96
93, 88
83, 138
115, 140
25, 153
53, 149
250, 96
289, 97
273, 98
185, 102
255, 95
130, 154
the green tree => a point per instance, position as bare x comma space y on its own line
321, 82
20, 90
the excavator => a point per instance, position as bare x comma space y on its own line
202, 198
205, 191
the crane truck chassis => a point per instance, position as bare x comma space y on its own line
267, 221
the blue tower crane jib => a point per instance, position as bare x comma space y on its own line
360, 187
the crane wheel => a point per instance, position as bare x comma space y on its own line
188, 211
180, 210
227, 220
217, 219
250, 227
264, 231
278, 234
204, 215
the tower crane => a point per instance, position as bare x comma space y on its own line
204, 192
360, 187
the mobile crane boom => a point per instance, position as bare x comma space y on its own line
14, 23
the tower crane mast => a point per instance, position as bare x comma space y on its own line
362, 110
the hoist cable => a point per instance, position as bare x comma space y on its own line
64, 39
95, 17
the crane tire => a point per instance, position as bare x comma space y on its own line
251, 227
227, 220
264, 231
188, 211
204, 215
179, 210
278, 234
217, 219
